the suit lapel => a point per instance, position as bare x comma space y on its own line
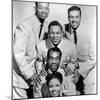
68, 28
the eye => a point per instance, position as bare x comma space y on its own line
51, 33
71, 17
50, 86
46, 8
57, 85
40, 7
57, 58
77, 16
57, 33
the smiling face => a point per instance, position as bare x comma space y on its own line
55, 34
54, 87
42, 10
54, 61
74, 18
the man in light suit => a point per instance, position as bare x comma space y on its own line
68, 49
52, 65
27, 34
86, 51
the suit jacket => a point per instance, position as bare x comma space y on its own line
86, 47
26, 36
68, 49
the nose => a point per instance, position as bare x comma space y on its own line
54, 61
54, 89
55, 35
74, 19
43, 10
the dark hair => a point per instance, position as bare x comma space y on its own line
36, 3
74, 8
55, 49
54, 23
56, 75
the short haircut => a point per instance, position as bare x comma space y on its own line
36, 3
74, 8
56, 75
54, 23
55, 49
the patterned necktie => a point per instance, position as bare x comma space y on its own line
75, 37
41, 26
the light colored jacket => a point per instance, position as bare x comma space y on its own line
26, 37
68, 49
86, 48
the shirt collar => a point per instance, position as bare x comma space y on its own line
77, 30
38, 21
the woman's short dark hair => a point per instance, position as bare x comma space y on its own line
56, 75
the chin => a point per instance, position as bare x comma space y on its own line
75, 27
56, 43
56, 95
44, 17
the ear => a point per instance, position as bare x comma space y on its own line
34, 8
68, 17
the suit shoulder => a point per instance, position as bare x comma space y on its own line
67, 41
28, 21
41, 43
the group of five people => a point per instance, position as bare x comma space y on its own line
50, 60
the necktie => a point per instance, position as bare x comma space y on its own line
75, 37
41, 26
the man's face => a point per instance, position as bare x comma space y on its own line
42, 10
74, 18
55, 34
54, 87
54, 61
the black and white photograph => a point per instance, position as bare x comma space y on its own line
53, 49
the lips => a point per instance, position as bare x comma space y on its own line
54, 94
44, 14
55, 40
54, 67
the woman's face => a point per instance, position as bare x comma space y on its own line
54, 87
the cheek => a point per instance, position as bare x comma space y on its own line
49, 62
47, 11
39, 12
70, 19
50, 90
58, 88
59, 36
78, 20
51, 36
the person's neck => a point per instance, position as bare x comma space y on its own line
55, 45
41, 20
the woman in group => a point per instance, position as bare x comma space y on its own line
54, 83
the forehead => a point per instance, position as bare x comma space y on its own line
42, 4
54, 54
74, 12
54, 81
55, 28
